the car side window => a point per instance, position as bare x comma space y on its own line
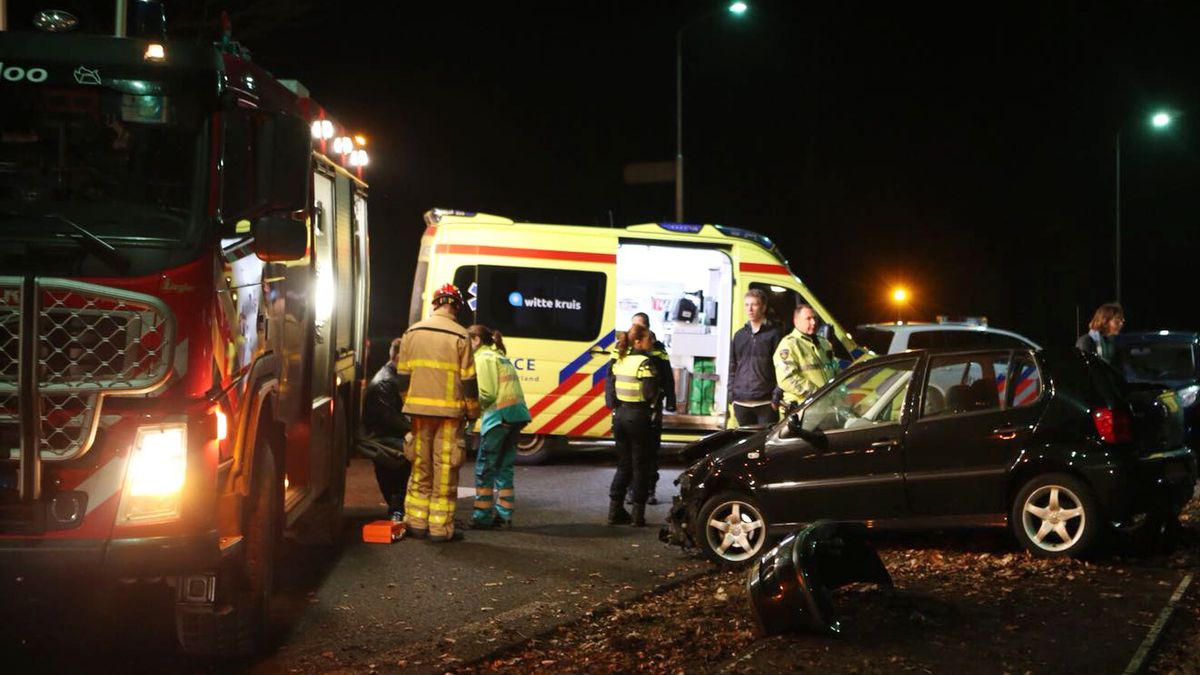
1005, 341
1026, 385
965, 384
927, 339
868, 397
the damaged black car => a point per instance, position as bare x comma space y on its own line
1056, 446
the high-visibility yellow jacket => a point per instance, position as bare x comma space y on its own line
803, 364
438, 368
500, 394
632, 379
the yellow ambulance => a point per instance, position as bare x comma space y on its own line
560, 293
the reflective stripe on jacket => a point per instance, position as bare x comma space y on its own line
500, 395
635, 378
436, 360
803, 365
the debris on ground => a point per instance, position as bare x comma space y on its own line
965, 601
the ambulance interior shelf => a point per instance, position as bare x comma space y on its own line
686, 293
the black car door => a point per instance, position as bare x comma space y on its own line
976, 412
846, 463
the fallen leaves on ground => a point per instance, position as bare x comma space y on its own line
706, 624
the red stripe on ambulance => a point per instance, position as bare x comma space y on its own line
543, 254
545, 401
572, 409
596, 417
764, 268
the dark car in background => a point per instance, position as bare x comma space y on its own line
1057, 446
1170, 359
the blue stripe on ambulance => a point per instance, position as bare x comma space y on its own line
572, 367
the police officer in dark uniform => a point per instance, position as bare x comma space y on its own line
632, 391
387, 427
666, 401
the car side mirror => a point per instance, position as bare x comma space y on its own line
795, 429
278, 237
795, 423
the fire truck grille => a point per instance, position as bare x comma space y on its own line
91, 341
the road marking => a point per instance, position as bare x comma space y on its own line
1139, 658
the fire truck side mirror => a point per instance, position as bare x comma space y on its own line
279, 237
284, 163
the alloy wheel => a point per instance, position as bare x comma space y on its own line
1054, 518
735, 531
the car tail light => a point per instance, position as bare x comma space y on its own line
1114, 426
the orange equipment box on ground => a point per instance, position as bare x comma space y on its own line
382, 531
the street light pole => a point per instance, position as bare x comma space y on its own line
1159, 121
679, 124
736, 8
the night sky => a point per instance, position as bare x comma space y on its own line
964, 151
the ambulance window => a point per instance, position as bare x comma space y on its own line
540, 303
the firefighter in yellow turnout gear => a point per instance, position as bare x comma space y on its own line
803, 360
437, 374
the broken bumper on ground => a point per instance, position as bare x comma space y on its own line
791, 586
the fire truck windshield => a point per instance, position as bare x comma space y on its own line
126, 166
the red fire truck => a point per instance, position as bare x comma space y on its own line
183, 283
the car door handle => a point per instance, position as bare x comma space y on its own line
1006, 433
598, 350
881, 445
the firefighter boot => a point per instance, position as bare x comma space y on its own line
617, 515
639, 515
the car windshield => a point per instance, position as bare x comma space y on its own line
1157, 361
121, 163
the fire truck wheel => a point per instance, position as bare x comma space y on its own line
533, 449
322, 526
235, 627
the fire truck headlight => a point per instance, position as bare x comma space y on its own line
157, 469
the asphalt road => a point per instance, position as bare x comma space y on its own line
412, 605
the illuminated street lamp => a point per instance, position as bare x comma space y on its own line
738, 9
899, 298
1159, 121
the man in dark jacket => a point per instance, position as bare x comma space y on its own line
752, 365
388, 426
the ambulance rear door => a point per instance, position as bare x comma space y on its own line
686, 289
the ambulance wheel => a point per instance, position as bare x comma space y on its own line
533, 449
235, 625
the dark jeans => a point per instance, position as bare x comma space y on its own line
392, 477
752, 415
634, 432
